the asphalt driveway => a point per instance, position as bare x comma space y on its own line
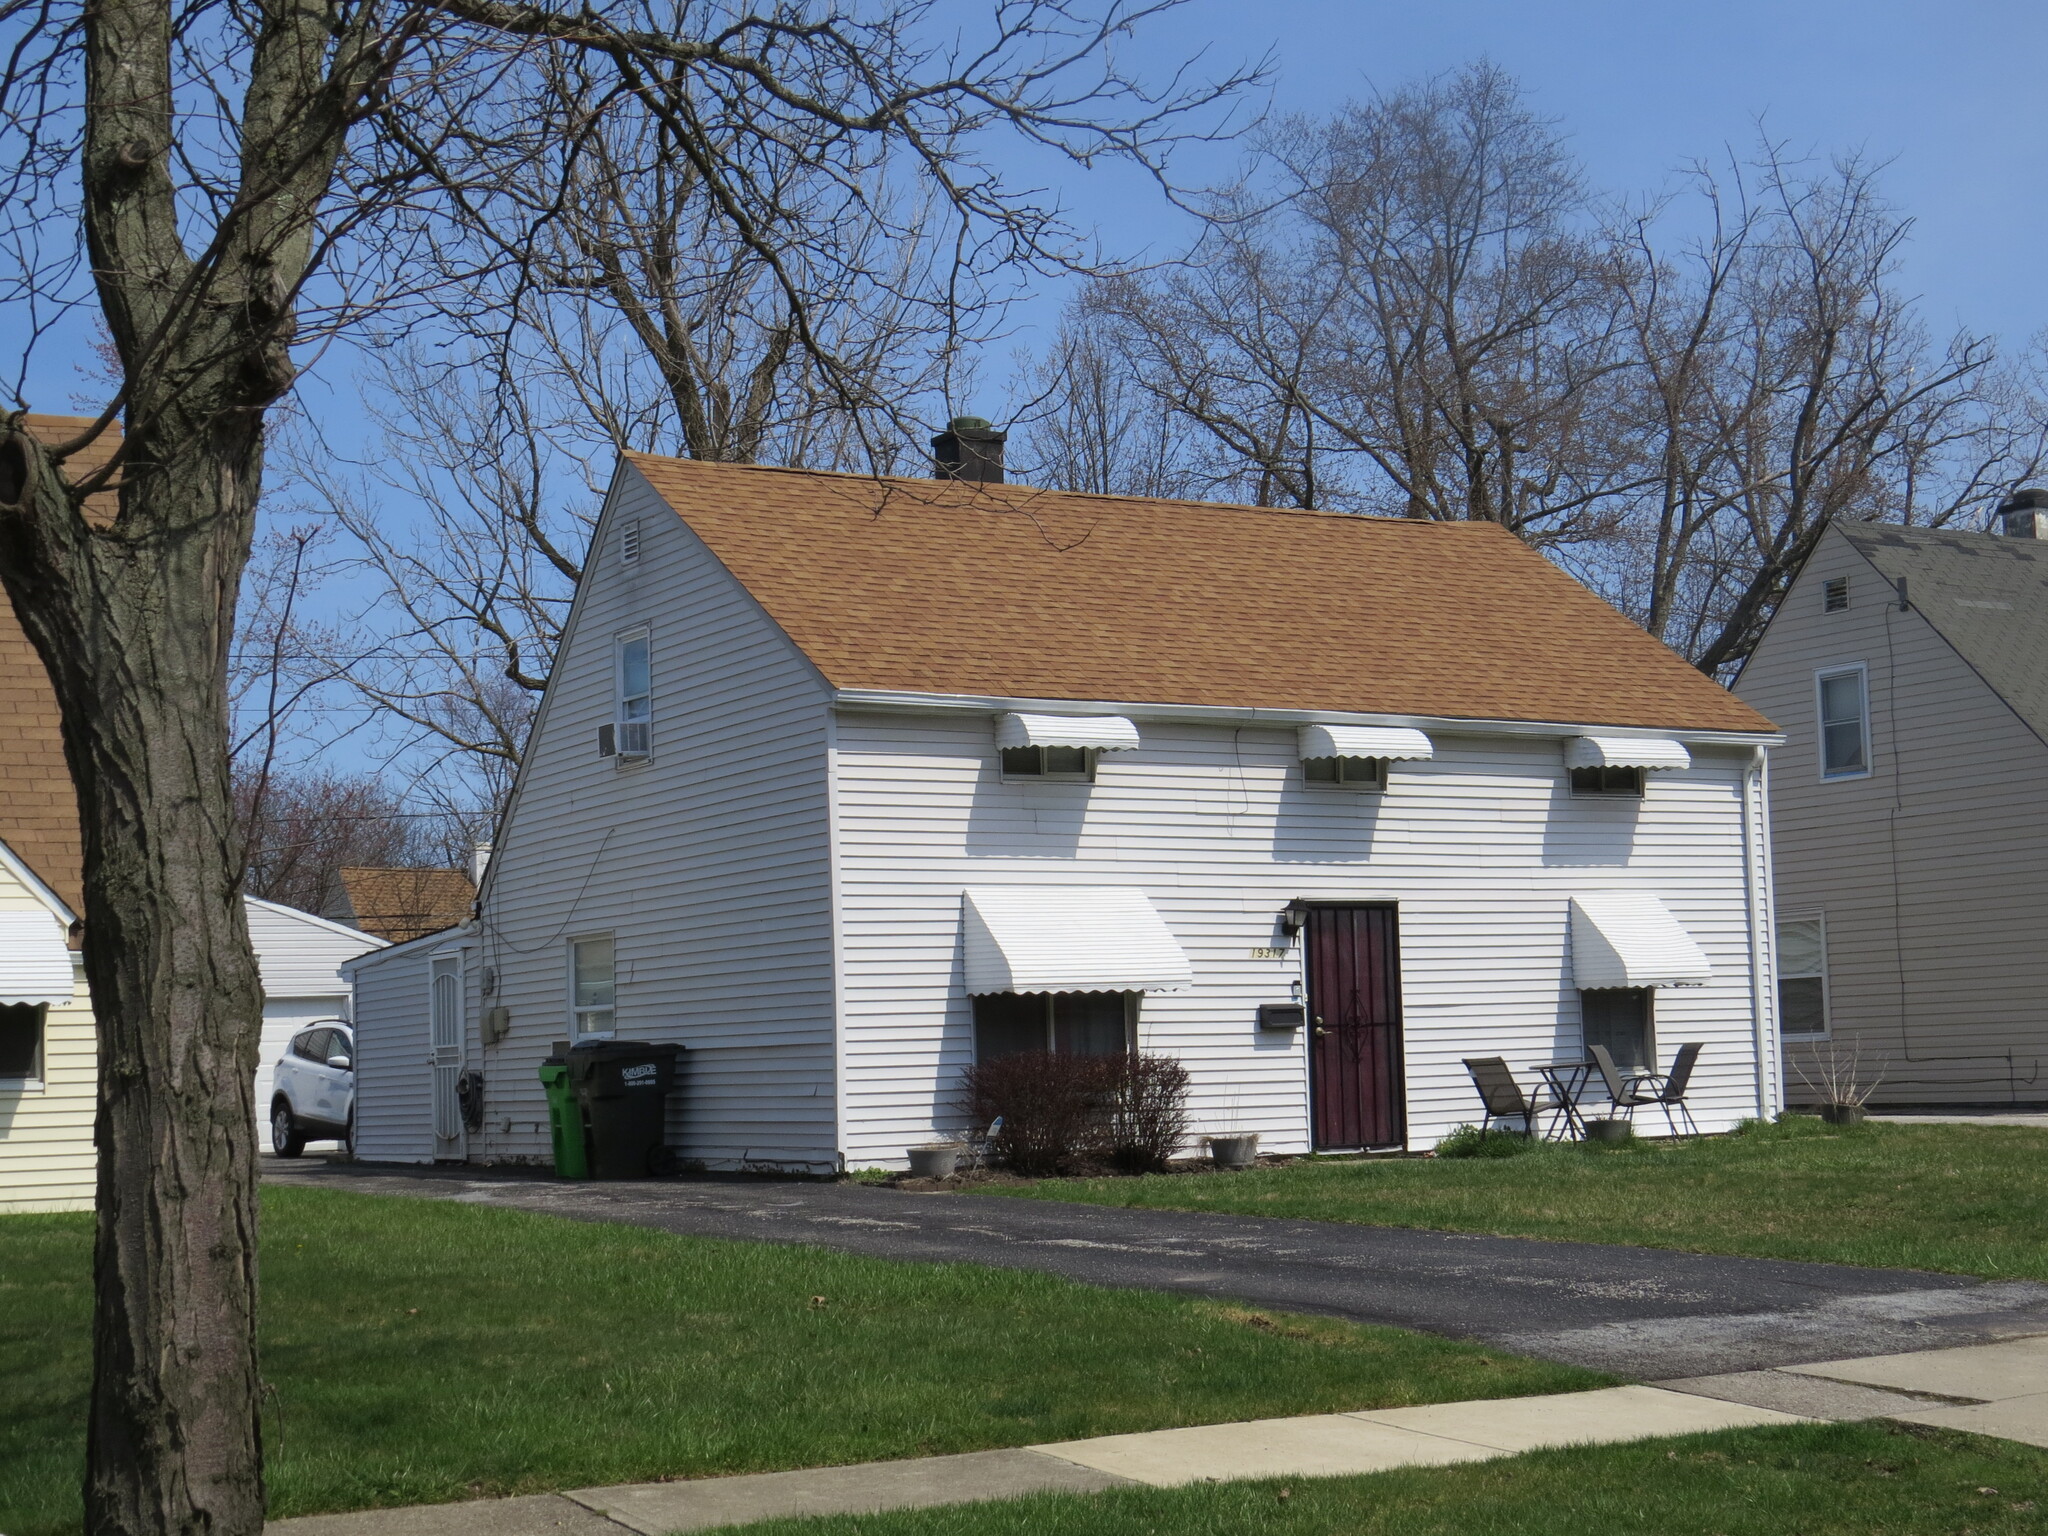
1643, 1313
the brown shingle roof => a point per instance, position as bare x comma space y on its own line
402, 904
947, 587
38, 807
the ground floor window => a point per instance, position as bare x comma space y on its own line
21, 1042
1074, 1023
593, 987
1802, 977
1624, 1020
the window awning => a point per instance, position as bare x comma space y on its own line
1627, 939
1067, 938
35, 965
1652, 752
1388, 741
1103, 733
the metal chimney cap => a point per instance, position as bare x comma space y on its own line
2034, 498
981, 424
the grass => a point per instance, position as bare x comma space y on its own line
1805, 1480
426, 1350
1960, 1198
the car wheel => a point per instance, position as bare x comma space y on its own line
348, 1137
286, 1139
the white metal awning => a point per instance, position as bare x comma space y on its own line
1652, 752
1388, 741
1104, 733
1069, 938
1628, 939
35, 965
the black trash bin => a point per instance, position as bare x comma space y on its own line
623, 1088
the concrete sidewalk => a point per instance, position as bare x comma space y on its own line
1994, 1389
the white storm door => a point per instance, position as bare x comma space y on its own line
445, 1021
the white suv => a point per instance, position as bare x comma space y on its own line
314, 1090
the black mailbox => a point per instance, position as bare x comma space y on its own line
1282, 1015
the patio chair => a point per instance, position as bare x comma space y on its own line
1503, 1097
1670, 1094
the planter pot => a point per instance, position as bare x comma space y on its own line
1234, 1151
1842, 1114
934, 1162
1610, 1131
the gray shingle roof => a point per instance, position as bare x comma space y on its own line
1986, 595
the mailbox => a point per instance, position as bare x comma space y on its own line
1282, 1015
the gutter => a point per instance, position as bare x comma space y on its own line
885, 699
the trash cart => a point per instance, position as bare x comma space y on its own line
623, 1088
565, 1115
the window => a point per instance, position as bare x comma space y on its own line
1802, 977
21, 1042
1048, 762
1623, 1020
1073, 1023
592, 985
1346, 772
1626, 782
312, 1045
636, 696
1834, 594
1844, 724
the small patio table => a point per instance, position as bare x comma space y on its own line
1568, 1080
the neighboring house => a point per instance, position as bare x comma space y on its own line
49, 1054
841, 782
401, 904
1910, 667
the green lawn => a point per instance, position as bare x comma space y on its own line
1962, 1198
1817, 1480
422, 1350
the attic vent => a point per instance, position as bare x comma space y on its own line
629, 542
1834, 594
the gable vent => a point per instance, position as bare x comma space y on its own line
1834, 594
629, 542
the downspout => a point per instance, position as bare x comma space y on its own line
1763, 934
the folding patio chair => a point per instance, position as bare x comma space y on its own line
1628, 1091
1503, 1097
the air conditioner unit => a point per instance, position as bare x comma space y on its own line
633, 738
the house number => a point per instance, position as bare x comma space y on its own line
1269, 954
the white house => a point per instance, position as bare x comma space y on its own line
840, 781
1910, 666
300, 958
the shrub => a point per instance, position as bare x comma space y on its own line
1148, 1112
1470, 1141
1051, 1106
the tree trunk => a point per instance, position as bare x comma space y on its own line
133, 623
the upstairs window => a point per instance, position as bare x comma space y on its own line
635, 714
593, 989
1834, 594
1802, 977
1624, 782
1346, 772
1844, 723
1048, 762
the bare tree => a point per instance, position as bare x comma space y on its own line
300, 829
221, 184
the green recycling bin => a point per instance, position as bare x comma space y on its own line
565, 1116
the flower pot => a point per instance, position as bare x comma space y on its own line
1612, 1132
1234, 1151
1842, 1114
936, 1161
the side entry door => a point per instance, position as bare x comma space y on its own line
1354, 1003
444, 1010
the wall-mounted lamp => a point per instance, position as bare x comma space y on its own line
1292, 917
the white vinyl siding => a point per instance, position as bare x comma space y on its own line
1932, 868
46, 1153
1482, 847
708, 866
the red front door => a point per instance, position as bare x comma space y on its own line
1354, 1006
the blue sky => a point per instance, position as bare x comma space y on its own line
1947, 92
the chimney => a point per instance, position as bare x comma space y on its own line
2024, 515
971, 449
479, 860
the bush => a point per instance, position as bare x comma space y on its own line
1058, 1111
1470, 1141
1148, 1112
1051, 1106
